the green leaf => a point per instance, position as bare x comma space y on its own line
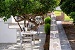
5, 19
21, 7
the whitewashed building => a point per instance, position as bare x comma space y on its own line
8, 30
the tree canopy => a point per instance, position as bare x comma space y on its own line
22, 7
26, 9
61, 2
68, 6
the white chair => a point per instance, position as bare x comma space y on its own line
27, 40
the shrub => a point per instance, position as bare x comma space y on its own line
47, 28
47, 20
72, 14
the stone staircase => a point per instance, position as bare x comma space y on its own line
41, 29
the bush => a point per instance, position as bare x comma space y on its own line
72, 14
47, 20
47, 28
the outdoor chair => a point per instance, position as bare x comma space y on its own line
27, 40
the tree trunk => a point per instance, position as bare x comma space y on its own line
73, 22
18, 24
24, 23
47, 40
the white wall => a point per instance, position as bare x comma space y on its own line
14, 26
0, 19
11, 20
7, 35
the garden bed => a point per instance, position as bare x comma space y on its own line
70, 32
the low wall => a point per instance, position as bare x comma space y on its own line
54, 35
60, 18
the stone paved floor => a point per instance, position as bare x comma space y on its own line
38, 44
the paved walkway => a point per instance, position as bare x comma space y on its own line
65, 45
38, 44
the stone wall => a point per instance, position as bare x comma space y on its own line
60, 18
